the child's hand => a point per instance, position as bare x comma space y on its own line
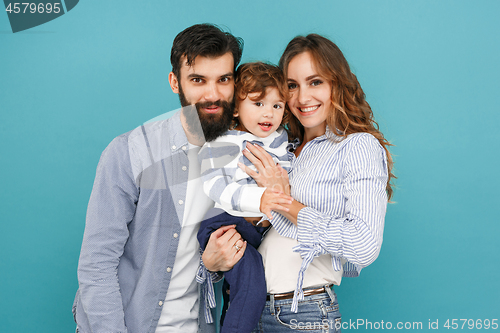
274, 200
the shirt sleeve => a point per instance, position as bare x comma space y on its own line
357, 236
219, 165
111, 207
283, 156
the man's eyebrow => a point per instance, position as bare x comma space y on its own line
195, 76
199, 76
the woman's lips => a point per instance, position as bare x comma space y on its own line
308, 110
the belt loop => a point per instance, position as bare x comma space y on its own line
271, 304
328, 289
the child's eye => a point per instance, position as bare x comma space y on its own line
316, 83
259, 103
277, 106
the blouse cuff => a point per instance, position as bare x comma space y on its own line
284, 227
315, 229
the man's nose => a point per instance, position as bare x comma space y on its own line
212, 92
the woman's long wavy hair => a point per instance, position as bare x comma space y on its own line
351, 112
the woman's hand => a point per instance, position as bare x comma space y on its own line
268, 174
274, 200
224, 249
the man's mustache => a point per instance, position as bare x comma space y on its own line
209, 103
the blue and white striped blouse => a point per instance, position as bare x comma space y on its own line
342, 183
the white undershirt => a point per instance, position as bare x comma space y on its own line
180, 309
282, 265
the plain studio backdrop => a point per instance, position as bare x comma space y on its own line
430, 71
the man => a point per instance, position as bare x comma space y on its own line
139, 254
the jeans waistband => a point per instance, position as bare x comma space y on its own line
307, 292
326, 292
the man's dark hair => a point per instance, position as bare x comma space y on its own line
206, 40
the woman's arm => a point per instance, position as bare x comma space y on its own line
357, 235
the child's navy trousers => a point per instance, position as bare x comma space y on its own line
248, 291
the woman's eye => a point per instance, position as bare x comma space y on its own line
292, 86
316, 83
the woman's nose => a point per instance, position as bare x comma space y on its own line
304, 96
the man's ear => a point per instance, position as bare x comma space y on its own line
174, 83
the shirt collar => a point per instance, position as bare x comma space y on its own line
328, 135
178, 138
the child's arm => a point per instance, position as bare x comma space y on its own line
233, 188
219, 165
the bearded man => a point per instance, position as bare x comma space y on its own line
139, 256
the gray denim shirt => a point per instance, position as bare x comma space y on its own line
130, 238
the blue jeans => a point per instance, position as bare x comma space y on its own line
316, 314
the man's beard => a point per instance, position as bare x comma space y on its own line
205, 125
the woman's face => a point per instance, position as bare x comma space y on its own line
310, 94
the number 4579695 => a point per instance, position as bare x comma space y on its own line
471, 324
40, 8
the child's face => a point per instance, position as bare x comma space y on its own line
261, 117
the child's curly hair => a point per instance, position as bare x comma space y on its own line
256, 77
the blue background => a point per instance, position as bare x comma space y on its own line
430, 71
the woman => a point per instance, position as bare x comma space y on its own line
340, 182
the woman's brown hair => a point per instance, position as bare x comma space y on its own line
352, 113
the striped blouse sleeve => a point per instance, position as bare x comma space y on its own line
356, 237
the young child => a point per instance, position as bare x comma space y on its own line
260, 99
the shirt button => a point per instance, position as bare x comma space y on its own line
169, 269
184, 148
181, 202
184, 168
176, 235
173, 147
160, 303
